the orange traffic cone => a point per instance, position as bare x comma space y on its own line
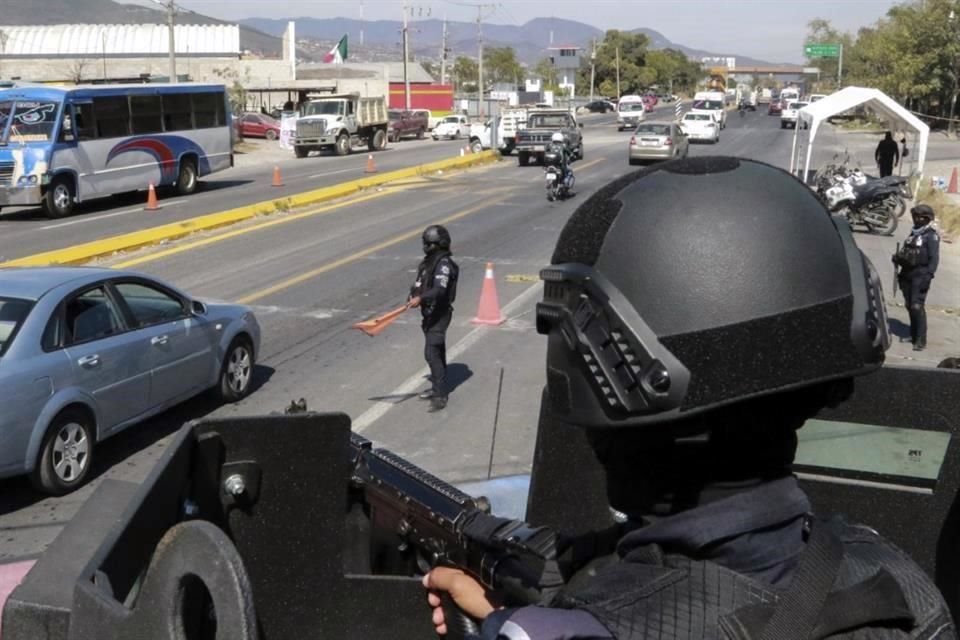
277, 180
953, 182
151, 199
371, 165
489, 310
375, 326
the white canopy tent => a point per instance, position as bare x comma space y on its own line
896, 116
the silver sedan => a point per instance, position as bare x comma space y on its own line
658, 141
86, 353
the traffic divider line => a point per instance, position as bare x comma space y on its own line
83, 253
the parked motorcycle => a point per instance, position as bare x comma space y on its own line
825, 178
557, 187
871, 204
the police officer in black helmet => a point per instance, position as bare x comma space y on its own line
434, 292
918, 259
691, 372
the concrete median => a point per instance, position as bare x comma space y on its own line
88, 251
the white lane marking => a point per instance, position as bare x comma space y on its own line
330, 173
162, 204
410, 385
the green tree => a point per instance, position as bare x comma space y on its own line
632, 48
821, 31
465, 73
500, 65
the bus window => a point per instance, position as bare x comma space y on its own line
113, 116
209, 110
145, 114
83, 123
177, 112
66, 127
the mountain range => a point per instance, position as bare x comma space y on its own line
529, 40
262, 35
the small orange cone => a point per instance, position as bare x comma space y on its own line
953, 182
277, 180
371, 165
375, 326
489, 310
151, 199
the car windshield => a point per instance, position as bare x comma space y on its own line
633, 107
707, 104
326, 108
13, 312
393, 115
654, 129
555, 121
696, 117
453, 119
30, 121
797, 105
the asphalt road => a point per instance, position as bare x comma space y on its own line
311, 274
26, 231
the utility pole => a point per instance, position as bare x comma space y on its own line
480, 8
406, 56
618, 73
443, 53
361, 23
171, 11
593, 67
840, 69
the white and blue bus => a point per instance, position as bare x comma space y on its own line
63, 145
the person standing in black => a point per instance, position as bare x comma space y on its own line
434, 292
918, 259
887, 155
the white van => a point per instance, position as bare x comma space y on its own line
712, 102
630, 112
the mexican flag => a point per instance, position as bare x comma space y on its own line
339, 53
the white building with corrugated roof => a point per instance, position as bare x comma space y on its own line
132, 52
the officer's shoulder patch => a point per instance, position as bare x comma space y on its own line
445, 269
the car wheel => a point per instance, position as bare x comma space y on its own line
420, 134
236, 372
378, 142
476, 146
65, 453
271, 134
342, 147
435, 137
187, 177
58, 200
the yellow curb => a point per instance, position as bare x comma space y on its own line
522, 277
87, 251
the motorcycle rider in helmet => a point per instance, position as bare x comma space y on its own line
434, 291
690, 386
558, 146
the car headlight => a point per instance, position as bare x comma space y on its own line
28, 180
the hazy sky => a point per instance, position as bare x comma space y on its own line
768, 29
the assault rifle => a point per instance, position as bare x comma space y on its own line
415, 516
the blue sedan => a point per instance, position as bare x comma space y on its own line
87, 352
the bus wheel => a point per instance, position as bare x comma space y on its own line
187, 178
58, 200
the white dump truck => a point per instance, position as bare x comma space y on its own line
341, 122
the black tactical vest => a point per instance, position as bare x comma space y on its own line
878, 593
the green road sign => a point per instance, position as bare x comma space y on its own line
821, 50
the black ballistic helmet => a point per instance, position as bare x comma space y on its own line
923, 211
700, 283
437, 235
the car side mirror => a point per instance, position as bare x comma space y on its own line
198, 308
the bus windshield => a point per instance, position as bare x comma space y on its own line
5, 108
31, 121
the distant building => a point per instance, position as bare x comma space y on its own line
87, 53
566, 60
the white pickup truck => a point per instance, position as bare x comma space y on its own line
788, 117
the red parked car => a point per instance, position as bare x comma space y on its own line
775, 108
258, 125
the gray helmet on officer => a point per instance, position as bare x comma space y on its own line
699, 284
435, 237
